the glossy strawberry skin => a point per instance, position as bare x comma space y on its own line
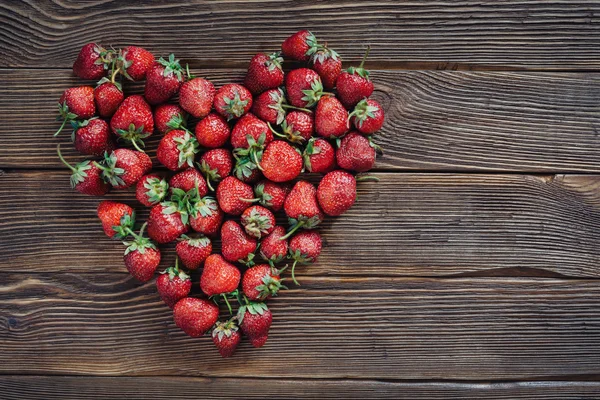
352, 88
302, 123
165, 228
108, 98
133, 110
168, 153
249, 124
142, 265
193, 255
336, 192
172, 290
163, 114
145, 161
297, 46
219, 276
331, 118
329, 69
373, 123
256, 327
87, 65
195, 316
94, 138
131, 163
141, 60
232, 101
212, 131
321, 158
219, 160
298, 80
196, 97
254, 277
301, 204
141, 190
267, 106
227, 344
208, 225
272, 195
281, 162
236, 245
272, 248
80, 101
93, 184
355, 153
110, 214
263, 74
160, 88
229, 193
187, 179
258, 221
308, 244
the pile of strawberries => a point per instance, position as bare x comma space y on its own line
233, 171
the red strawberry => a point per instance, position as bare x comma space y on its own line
145, 161
255, 320
305, 248
92, 137
168, 117
108, 96
173, 285
163, 80
328, 65
167, 221
86, 177
196, 96
117, 218
302, 208
367, 116
218, 276
195, 316
356, 153
331, 118
300, 46
236, 245
193, 251
123, 168
177, 150
298, 126
336, 192
92, 62
232, 101
187, 180
281, 162
212, 131
270, 194
303, 87
216, 164
354, 85
151, 189
258, 221
141, 257
133, 120
268, 106
76, 103
261, 282
229, 193
319, 156
272, 248
135, 62
226, 336
251, 126
264, 73
207, 217
246, 169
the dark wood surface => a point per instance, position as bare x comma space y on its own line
469, 271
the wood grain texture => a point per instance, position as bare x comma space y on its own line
407, 224
142, 388
334, 328
414, 34
445, 121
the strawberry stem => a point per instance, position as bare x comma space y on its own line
250, 200
137, 147
297, 108
294, 273
362, 63
63, 160
61, 127
294, 229
275, 132
227, 302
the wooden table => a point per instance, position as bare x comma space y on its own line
470, 271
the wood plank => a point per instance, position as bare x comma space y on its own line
133, 388
415, 34
331, 328
502, 121
407, 224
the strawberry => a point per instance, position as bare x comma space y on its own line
135, 62
177, 150
272, 248
305, 248
356, 153
193, 251
268, 106
173, 285
216, 164
281, 162
151, 189
319, 156
167, 221
108, 96
218, 276
246, 169
270, 194
251, 126
328, 65
354, 85
168, 117
232, 101
92, 62
86, 177
258, 221
212, 131
261, 282
196, 96
141, 256
123, 167
336, 192
229, 193
226, 336
264, 73
331, 118
255, 320
207, 217
298, 126
145, 161
367, 116
187, 180
133, 121
303, 87
300, 46
302, 208
117, 218
163, 80
195, 316
76, 103
92, 137
236, 245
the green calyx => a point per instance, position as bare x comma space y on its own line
360, 71
253, 308
107, 80
324, 53
249, 260
212, 175
289, 133
183, 202
105, 57
79, 171
277, 100
313, 45
110, 172
64, 115
125, 227
362, 112
244, 167
256, 224
176, 272
200, 241
270, 285
205, 206
314, 94
139, 243
172, 67
177, 122
134, 135
225, 329
121, 64
254, 152
157, 190
310, 150
188, 148
375, 145
264, 197
301, 222
275, 60
76, 125
235, 107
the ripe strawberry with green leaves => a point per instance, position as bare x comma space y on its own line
123, 168
331, 118
134, 62
133, 121
270, 194
328, 65
173, 284
230, 193
76, 103
249, 126
356, 152
245, 169
196, 96
151, 189
187, 180
195, 316
298, 127
117, 218
319, 156
300, 46
163, 80
193, 250
302, 208
255, 320
258, 221
354, 84
212, 131
303, 87
269, 106
92, 137
281, 162
367, 116
236, 245
218, 276
92, 62
86, 177
232, 101
206, 217
262, 282
336, 192
177, 150
273, 248
108, 97
226, 336
168, 117
264, 73
141, 256
305, 247
167, 221
216, 164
